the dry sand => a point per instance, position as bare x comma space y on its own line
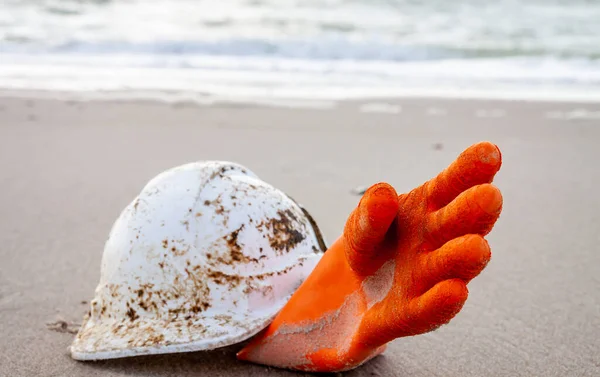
68, 168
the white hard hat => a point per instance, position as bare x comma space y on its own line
205, 256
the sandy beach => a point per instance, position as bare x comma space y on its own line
69, 167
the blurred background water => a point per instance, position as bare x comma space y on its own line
304, 48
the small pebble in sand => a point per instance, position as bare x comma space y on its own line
63, 326
359, 190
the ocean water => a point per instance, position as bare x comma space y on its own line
304, 49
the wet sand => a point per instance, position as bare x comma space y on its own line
69, 167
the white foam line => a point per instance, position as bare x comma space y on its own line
434, 111
380, 107
576, 114
493, 113
325, 98
170, 98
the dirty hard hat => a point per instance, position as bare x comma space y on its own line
203, 257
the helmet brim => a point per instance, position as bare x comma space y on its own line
125, 338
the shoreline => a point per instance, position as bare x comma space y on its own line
567, 108
315, 102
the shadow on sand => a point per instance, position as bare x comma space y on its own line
221, 362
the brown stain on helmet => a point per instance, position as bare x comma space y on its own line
284, 233
235, 249
222, 278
